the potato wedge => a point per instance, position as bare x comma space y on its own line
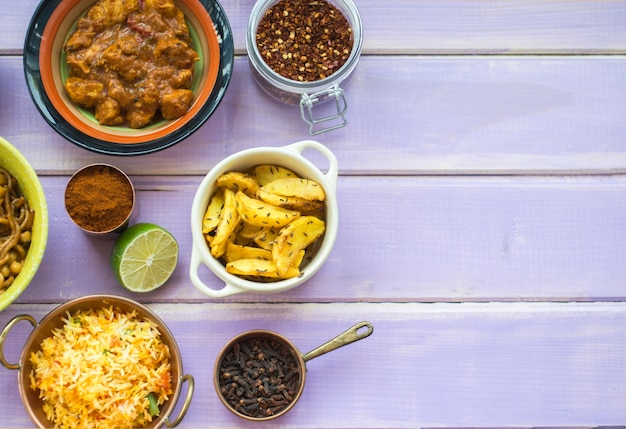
296, 187
265, 238
237, 181
250, 231
229, 221
266, 173
293, 238
260, 213
299, 258
212, 215
236, 251
302, 205
260, 268
252, 222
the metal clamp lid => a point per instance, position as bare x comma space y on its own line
308, 102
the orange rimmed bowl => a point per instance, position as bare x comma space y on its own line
46, 70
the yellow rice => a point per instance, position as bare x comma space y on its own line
99, 368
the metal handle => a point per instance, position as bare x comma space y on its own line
183, 411
353, 334
308, 102
5, 332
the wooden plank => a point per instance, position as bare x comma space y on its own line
482, 196
495, 27
400, 239
431, 365
442, 115
437, 26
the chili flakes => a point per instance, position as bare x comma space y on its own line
304, 40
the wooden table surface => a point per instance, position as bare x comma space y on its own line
482, 207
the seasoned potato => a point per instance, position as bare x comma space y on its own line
296, 187
304, 206
260, 222
259, 267
260, 213
236, 251
250, 231
293, 238
212, 215
229, 221
265, 238
266, 173
236, 181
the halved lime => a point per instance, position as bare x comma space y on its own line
144, 257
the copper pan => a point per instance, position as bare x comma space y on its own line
357, 332
52, 320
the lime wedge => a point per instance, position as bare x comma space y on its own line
144, 257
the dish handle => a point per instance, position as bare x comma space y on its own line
5, 332
333, 166
194, 266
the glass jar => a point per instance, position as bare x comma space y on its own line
307, 94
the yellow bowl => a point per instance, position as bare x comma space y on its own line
12, 160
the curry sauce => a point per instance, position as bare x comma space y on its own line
132, 62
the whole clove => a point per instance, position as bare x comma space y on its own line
259, 377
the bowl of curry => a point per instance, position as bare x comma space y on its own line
128, 77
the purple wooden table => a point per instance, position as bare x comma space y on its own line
482, 198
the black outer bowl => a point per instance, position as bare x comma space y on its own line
32, 74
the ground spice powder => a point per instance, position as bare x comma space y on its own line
304, 40
99, 198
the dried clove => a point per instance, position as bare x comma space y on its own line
258, 377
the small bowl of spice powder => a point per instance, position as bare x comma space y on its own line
100, 200
301, 51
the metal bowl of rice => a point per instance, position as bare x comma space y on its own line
100, 361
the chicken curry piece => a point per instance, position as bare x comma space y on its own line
132, 62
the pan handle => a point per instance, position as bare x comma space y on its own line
5, 332
347, 337
183, 411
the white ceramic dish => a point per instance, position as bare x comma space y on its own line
290, 156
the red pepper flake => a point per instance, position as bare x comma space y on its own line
304, 40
